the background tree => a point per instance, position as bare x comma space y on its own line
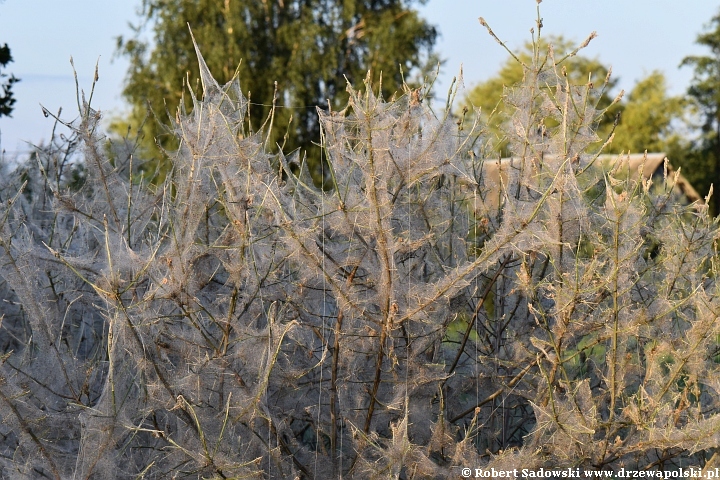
488, 95
703, 162
7, 100
648, 120
310, 48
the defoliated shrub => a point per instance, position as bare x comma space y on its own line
421, 314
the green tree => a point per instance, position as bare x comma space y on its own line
7, 100
311, 48
647, 121
488, 95
703, 162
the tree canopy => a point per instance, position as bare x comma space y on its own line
7, 100
488, 95
647, 119
704, 162
300, 53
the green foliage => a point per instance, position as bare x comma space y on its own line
702, 164
309, 48
706, 83
647, 119
487, 96
6, 98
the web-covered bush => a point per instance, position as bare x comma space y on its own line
432, 309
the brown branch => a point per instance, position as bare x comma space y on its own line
496, 393
479, 305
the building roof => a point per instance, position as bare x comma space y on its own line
653, 165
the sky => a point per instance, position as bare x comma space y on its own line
635, 37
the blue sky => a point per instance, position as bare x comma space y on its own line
634, 36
